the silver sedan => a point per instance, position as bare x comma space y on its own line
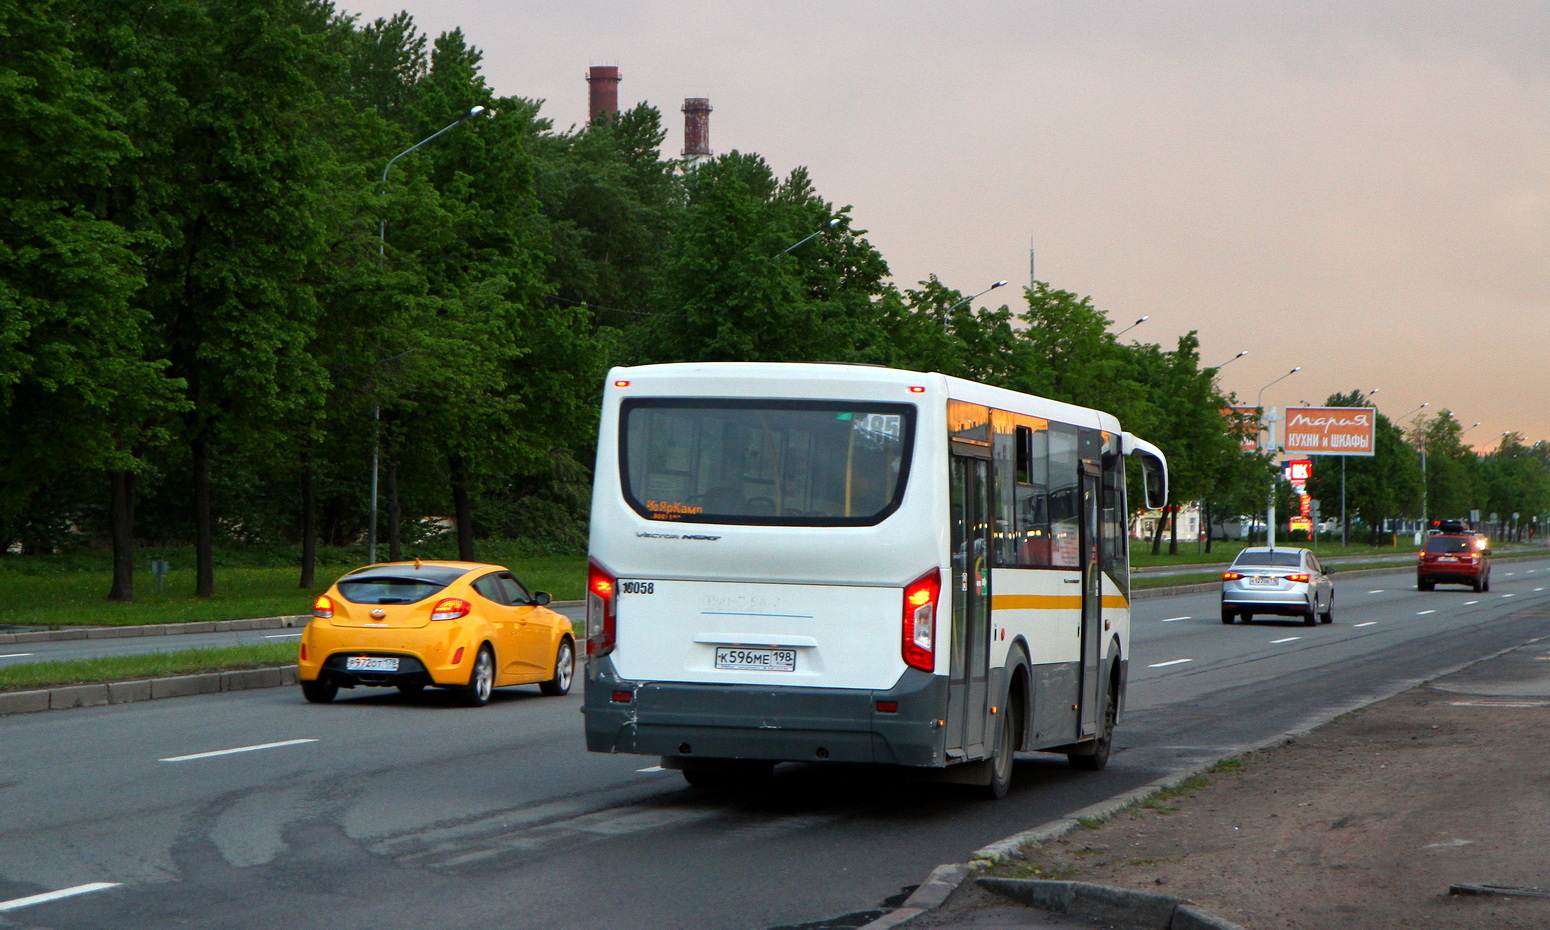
1281, 581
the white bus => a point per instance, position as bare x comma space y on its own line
823, 562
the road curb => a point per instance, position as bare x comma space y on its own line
68, 697
1104, 904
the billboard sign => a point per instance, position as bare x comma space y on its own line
1243, 422
1331, 430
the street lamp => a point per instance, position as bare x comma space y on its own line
1270, 423
1259, 400
376, 412
1131, 326
976, 296
1412, 413
382, 223
1233, 359
832, 223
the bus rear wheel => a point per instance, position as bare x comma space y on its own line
1006, 744
1095, 754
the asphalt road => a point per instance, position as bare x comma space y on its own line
384, 811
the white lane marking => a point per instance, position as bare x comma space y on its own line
1470, 603
1539, 589
1425, 612
652, 768
1368, 623
1509, 595
16, 655
1174, 662
1289, 639
1171, 619
282, 635
227, 752
1379, 591
15, 903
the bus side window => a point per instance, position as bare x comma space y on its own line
1031, 499
1064, 506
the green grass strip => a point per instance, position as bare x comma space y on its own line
36, 675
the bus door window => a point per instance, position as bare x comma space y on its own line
968, 684
1092, 600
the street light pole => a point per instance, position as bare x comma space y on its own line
376, 412
1270, 423
976, 296
832, 223
1423, 462
1131, 326
1233, 359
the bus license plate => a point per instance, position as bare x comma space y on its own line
762, 660
370, 664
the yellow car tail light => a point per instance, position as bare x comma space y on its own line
451, 608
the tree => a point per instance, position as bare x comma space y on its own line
78, 383
1517, 483
739, 286
1451, 468
1377, 488
935, 328
223, 196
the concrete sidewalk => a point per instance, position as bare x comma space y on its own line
1428, 808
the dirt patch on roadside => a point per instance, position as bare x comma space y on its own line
1364, 824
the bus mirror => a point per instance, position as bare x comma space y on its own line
1154, 478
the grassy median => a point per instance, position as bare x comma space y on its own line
37, 675
54, 592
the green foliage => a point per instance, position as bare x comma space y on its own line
249, 247
756, 272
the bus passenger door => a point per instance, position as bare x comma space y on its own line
1092, 605
968, 684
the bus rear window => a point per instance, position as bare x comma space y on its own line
807, 463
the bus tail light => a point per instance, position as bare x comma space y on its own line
602, 596
451, 608
920, 600
323, 607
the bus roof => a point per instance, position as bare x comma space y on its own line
836, 379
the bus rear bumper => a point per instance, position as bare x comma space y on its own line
760, 722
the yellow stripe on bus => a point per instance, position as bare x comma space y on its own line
1049, 601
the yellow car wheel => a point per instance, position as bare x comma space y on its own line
320, 690
564, 669
481, 681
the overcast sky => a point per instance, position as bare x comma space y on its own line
1360, 189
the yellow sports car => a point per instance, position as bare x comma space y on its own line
459, 625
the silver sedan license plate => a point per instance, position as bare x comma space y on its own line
760, 660
370, 664
1263, 579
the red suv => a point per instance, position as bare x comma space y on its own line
1454, 558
